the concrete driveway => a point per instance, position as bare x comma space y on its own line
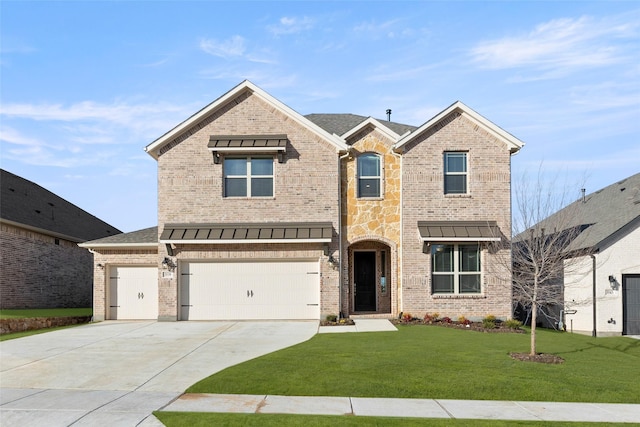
117, 372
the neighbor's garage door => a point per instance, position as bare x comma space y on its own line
250, 290
133, 293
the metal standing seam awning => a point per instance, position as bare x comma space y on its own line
248, 143
306, 232
459, 231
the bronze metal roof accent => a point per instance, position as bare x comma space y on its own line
305, 232
247, 142
459, 231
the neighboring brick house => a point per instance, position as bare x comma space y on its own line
41, 264
267, 214
602, 285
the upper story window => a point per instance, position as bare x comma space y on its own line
455, 269
455, 173
369, 177
248, 177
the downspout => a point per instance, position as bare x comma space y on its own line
340, 158
399, 251
593, 269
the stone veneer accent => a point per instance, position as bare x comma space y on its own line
371, 219
190, 190
41, 271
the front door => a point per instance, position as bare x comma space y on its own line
631, 304
364, 281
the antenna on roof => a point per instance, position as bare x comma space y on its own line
389, 114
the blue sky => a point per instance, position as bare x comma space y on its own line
85, 86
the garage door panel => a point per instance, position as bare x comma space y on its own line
133, 293
250, 290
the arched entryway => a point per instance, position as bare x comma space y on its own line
371, 276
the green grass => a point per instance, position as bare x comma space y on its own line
44, 312
441, 363
190, 419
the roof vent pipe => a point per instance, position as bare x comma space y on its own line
389, 114
583, 195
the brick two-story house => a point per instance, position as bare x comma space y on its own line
267, 214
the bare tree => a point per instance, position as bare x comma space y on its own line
545, 227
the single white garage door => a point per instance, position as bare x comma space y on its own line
133, 293
249, 290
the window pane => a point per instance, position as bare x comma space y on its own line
469, 258
442, 258
469, 283
262, 166
261, 187
235, 187
368, 187
442, 284
235, 167
369, 165
455, 162
455, 184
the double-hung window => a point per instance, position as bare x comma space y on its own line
369, 176
248, 177
455, 269
455, 173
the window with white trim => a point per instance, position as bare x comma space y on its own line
455, 173
369, 176
455, 269
248, 177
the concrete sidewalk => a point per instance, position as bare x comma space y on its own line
418, 408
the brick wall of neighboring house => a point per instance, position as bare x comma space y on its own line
190, 186
105, 258
41, 271
371, 220
488, 199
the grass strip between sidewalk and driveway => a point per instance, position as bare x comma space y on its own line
191, 419
441, 363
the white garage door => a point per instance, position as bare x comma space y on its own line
250, 290
133, 293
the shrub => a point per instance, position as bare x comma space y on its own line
463, 320
490, 317
488, 323
513, 324
446, 319
332, 318
430, 318
407, 317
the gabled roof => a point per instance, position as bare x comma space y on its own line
341, 124
604, 216
246, 86
28, 205
145, 238
513, 143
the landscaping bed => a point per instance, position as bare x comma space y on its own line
10, 326
489, 324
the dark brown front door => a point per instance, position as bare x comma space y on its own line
364, 275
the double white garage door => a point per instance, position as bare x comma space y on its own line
243, 290
249, 290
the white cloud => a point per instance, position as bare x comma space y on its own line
13, 136
561, 45
233, 47
291, 25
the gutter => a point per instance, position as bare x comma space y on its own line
340, 237
594, 333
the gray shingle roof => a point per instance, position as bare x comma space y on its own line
343, 123
610, 213
26, 203
144, 237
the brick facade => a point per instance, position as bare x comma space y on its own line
41, 271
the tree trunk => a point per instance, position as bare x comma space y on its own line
534, 315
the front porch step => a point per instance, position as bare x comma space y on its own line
372, 316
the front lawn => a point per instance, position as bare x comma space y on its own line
44, 312
441, 363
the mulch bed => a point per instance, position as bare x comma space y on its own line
473, 326
341, 322
539, 358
